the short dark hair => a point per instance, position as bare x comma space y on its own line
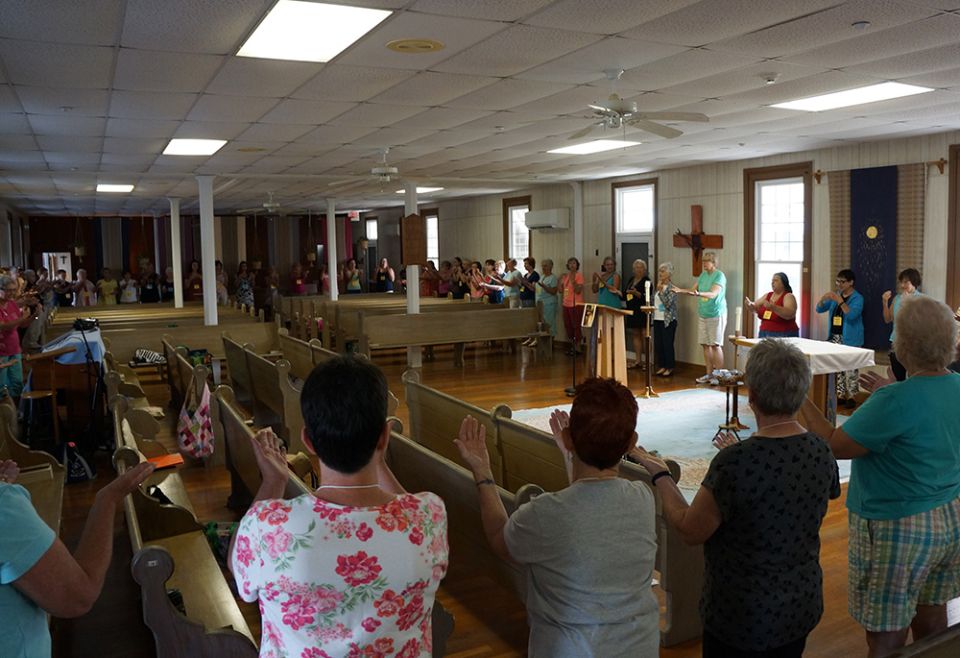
785, 281
344, 406
847, 275
912, 275
531, 260
602, 421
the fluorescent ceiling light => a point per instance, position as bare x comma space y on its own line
194, 146
859, 96
423, 190
110, 187
596, 146
309, 31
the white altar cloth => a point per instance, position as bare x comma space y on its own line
824, 357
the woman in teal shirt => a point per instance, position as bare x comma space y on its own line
710, 291
606, 284
904, 493
909, 281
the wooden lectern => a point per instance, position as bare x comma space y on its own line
606, 342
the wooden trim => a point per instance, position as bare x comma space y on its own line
750, 178
507, 204
651, 271
953, 229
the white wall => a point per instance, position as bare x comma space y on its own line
473, 227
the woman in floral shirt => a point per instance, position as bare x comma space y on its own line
352, 569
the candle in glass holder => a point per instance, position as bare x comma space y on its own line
646, 285
739, 320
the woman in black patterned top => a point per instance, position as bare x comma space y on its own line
758, 515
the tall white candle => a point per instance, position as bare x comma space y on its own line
739, 321
646, 286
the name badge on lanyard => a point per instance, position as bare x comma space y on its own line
837, 321
767, 315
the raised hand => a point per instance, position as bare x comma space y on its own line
127, 482
873, 381
9, 471
559, 421
271, 456
652, 463
725, 440
472, 444
886, 296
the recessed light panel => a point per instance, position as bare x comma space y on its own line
111, 187
194, 146
859, 96
596, 146
309, 31
423, 190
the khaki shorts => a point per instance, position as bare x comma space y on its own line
896, 565
710, 330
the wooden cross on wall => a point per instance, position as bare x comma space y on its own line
698, 241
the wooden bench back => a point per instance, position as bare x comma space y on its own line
945, 644
237, 369
276, 400
262, 335
298, 353
437, 329
435, 419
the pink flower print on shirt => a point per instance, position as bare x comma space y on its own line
326, 511
416, 536
313, 652
426, 633
364, 532
298, 611
358, 569
393, 516
243, 553
411, 613
271, 636
275, 512
327, 599
379, 649
389, 604
277, 543
410, 650
370, 624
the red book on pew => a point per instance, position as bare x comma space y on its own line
166, 461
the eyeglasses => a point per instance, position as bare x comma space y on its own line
840, 281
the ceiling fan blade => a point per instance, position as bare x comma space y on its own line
583, 132
672, 116
655, 128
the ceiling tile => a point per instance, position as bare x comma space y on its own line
429, 88
142, 128
375, 115
69, 143
336, 134
275, 164
266, 78
150, 70
94, 22
455, 33
688, 65
210, 129
447, 138
949, 78
338, 82
440, 118
494, 10
150, 105
588, 64
507, 94
745, 78
139, 160
812, 32
8, 100
391, 137
516, 49
57, 65
230, 108
15, 123
17, 143
67, 124
303, 112
911, 63
274, 132
45, 100
707, 21
71, 158
569, 101
188, 26
603, 16
130, 145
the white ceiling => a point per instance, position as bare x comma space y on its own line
92, 91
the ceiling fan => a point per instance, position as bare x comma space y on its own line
382, 173
616, 113
271, 207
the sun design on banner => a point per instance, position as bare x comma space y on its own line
873, 255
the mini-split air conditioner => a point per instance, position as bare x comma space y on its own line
554, 219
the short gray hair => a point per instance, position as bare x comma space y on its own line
778, 376
6, 280
926, 336
668, 267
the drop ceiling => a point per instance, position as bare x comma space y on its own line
91, 92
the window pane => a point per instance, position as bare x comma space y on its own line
635, 209
433, 239
519, 234
371, 229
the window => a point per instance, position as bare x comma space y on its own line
516, 236
780, 231
635, 208
433, 236
372, 230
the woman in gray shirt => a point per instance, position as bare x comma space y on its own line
588, 549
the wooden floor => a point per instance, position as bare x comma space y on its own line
490, 621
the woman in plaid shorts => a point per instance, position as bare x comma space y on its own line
904, 494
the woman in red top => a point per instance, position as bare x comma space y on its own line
777, 310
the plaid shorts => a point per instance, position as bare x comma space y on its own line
898, 564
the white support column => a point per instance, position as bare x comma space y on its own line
156, 245
208, 250
175, 252
414, 353
332, 248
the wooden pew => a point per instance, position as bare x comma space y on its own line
245, 480
276, 399
125, 342
435, 419
945, 644
237, 370
298, 353
380, 331
40, 473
